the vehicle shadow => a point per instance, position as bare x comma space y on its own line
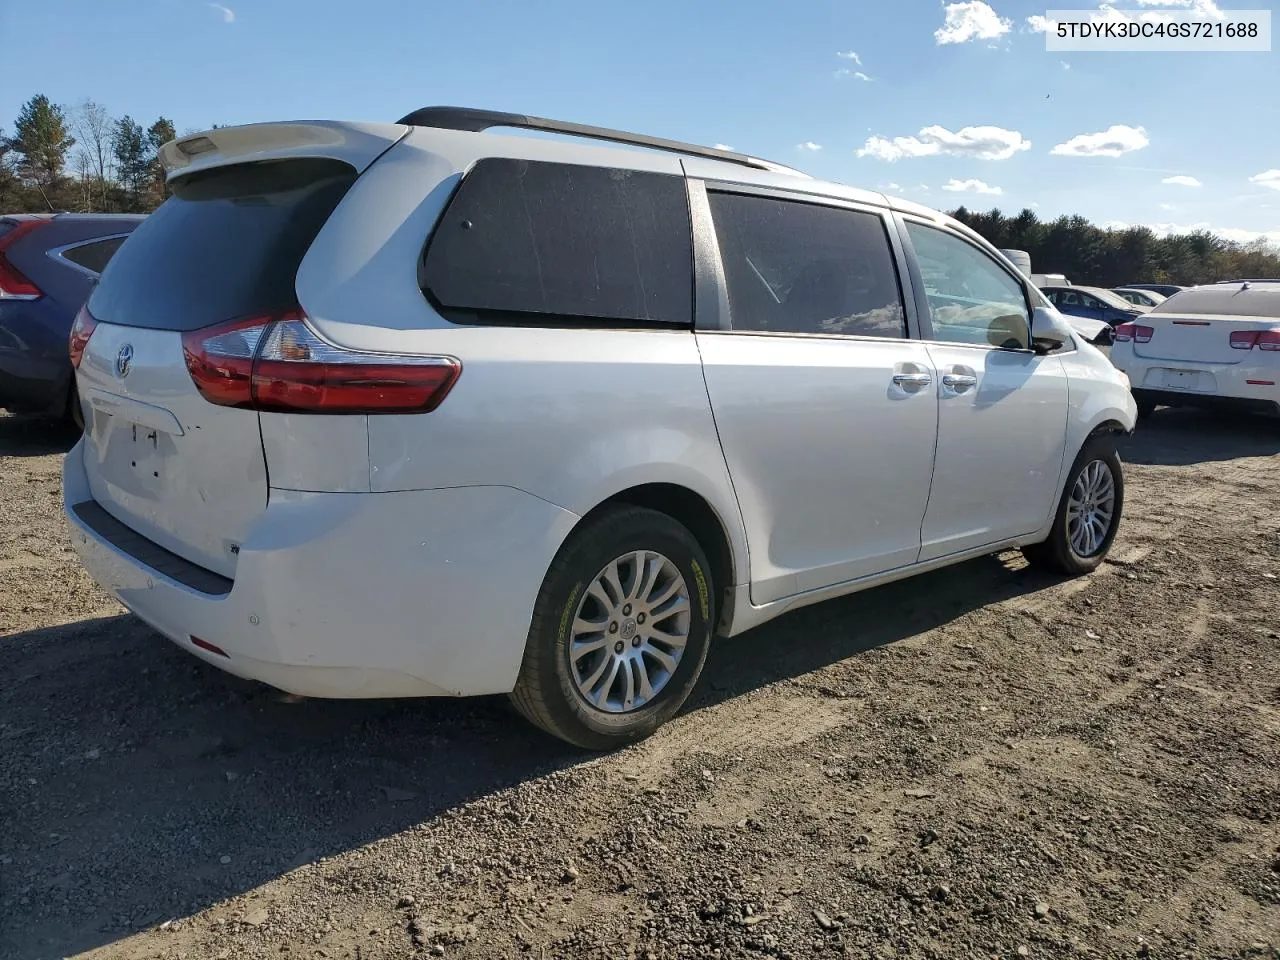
23, 436
145, 785
1178, 437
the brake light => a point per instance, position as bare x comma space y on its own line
1262, 339
1134, 331
1243, 339
13, 284
81, 330
279, 363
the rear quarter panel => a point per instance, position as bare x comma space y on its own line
573, 416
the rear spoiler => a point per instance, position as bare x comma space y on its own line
358, 144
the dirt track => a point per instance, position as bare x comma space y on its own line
979, 762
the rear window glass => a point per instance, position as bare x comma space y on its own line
534, 242
1231, 299
94, 256
226, 244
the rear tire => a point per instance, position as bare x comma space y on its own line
586, 685
1088, 514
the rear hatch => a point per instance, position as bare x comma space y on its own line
186, 473
1216, 324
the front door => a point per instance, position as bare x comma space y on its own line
1002, 409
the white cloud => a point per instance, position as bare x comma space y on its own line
923, 188
894, 186
1268, 178
1112, 142
1065, 65
856, 74
1205, 8
1182, 181
972, 20
1234, 234
723, 146
971, 186
849, 55
983, 143
228, 15
1167, 206
1034, 205
809, 145
1039, 24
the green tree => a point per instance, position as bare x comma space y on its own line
158, 134
129, 146
42, 140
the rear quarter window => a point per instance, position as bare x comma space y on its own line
94, 255
548, 243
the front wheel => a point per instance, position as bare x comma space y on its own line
1088, 514
620, 630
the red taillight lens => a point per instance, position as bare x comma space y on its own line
1269, 340
13, 285
220, 359
1243, 339
1134, 331
278, 363
81, 330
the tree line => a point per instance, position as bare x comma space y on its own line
81, 159
1091, 256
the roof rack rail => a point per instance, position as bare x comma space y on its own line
1251, 280
475, 121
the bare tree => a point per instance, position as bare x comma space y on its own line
84, 171
94, 128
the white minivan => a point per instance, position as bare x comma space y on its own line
384, 410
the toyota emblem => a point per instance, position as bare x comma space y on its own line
124, 360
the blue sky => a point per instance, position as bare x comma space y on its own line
958, 94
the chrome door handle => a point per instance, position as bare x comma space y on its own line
958, 381
912, 379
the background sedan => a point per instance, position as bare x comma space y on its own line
48, 265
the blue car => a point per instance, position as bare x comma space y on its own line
48, 265
1094, 303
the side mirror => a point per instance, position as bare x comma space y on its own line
1047, 332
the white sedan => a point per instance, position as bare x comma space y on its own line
1216, 345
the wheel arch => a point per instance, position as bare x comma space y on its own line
701, 518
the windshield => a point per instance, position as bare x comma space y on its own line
1110, 299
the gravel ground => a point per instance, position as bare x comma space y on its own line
982, 762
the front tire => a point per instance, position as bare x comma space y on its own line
620, 630
1088, 515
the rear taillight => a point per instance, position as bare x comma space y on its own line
13, 285
1243, 339
81, 330
1262, 339
1137, 332
278, 363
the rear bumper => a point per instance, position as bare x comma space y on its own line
1208, 401
417, 593
1238, 386
35, 370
